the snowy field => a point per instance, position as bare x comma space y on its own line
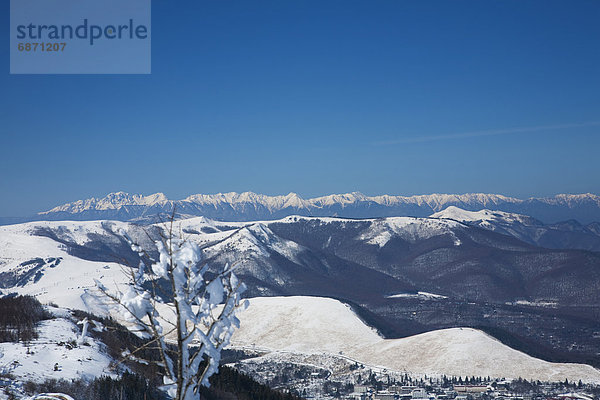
319, 325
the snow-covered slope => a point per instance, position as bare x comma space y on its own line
249, 206
458, 214
56, 345
567, 234
42, 267
520, 226
301, 323
313, 325
112, 201
410, 229
58, 261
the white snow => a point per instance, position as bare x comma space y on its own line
318, 325
51, 396
69, 283
411, 229
534, 303
37, 360
303, 324
248, 201
458, 214
253, 236
194, 303
520, 226
111, 202
297, 324
418, 295
237, 201
255, 240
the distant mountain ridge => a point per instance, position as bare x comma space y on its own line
249, 206
568, 234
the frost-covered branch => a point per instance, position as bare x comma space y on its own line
201, 314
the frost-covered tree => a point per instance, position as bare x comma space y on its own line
190, 331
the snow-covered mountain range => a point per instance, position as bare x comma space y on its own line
250, 206
58, 262
402, 275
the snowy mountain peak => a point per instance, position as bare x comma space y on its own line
458, 214
157, 198
573, 200
111, 201
295, 201
250, 206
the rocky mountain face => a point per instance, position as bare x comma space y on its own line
248, 206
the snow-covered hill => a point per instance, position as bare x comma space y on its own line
313, 325
484, 215
45, 267
568, 234
389, 268
250, 206
56, 354
409, 229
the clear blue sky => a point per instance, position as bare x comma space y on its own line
319, 97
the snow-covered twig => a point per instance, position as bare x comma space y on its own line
196, 323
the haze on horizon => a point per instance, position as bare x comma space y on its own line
318, 98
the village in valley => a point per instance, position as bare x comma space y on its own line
498, 390
327, 377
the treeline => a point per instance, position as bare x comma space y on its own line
231, 384
128, 387
119, 340
18, 318
227, 384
